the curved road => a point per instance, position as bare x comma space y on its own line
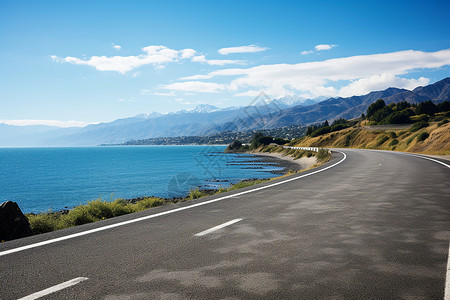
374, 226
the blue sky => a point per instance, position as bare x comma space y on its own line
96, 61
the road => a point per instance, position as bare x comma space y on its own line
372, 226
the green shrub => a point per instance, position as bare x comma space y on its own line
443, 122
78, 216
381, 140
195, 194
423, 118
338, 127
418, 125
321, 131
392, 134
243, 184
422, 136
149, 202
410, 139
398, 117
41, 223
323, 155
393, 142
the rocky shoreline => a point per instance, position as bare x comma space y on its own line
287, 163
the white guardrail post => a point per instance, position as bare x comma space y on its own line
315, 149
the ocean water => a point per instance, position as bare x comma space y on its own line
40, 179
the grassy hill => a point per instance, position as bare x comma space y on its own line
420, 137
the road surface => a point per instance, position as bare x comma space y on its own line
371, 225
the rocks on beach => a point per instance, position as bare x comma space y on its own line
13, 223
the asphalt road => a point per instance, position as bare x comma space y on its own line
375, 226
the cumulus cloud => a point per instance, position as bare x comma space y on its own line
248, 94
306, 52
188, 53
354, 75
117, 47
215, 62
241, 49
380, 82
46, 122
324, 47
195, 86
148, 92
158, 56
153, 55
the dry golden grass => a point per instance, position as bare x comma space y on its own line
438, 142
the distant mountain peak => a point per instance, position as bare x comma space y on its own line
293, 100
201, 108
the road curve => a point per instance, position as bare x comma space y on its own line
375, 226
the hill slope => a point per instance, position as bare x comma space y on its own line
433, 139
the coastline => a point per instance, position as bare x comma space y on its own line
287, 162
98, 210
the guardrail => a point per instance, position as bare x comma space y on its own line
314, 149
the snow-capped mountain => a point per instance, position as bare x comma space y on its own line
292, 100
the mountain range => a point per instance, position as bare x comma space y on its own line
207, 119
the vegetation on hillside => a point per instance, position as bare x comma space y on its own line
427, 129
267, 144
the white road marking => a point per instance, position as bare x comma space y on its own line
405, 153
447, 277
71, 236
218, 227
54, 289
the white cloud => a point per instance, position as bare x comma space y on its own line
117, 47
153, 55
307, 52
380, 82
215, 62
148, 92
248, 94
241, 49
195, 86
324, 47
188, 53
158, 56
179, 99
319, 78
45, 122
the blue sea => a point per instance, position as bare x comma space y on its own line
43, 179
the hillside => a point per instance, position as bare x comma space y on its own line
431, 139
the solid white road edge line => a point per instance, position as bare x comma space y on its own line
218, 227
407, 154
447, 277
54, 289
71, 236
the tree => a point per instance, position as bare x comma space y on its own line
255, 141
374, 107
444, 106
326, 123
380, 114
398, 117
427, 107
236, 145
